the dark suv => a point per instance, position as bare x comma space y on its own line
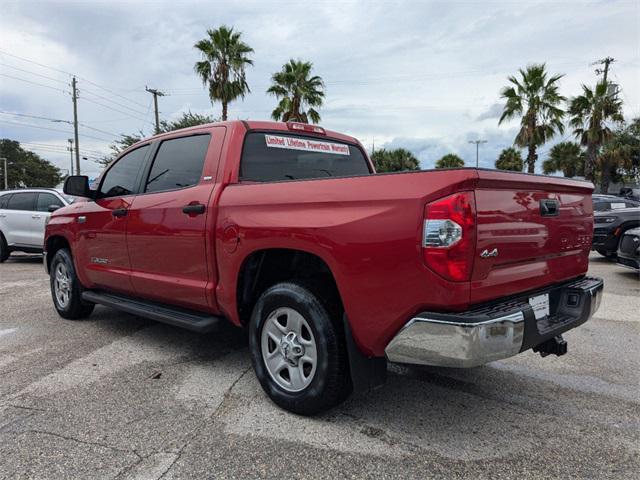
610, 225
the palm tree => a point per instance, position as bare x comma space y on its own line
510, 159
225, 57
450, 160
565, 157
590, 114
296, 89
396, 160
534, 97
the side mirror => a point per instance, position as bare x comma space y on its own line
78, 186
52, 208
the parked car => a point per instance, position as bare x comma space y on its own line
284, 229
610, 225
23, 214
629, 249
611, 202
631, 193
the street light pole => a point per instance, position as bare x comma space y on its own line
6, 173
477, 143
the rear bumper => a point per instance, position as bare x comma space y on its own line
493, 331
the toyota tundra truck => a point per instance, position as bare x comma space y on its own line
286, 230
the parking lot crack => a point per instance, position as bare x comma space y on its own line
84, 442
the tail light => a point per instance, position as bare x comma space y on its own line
449, 236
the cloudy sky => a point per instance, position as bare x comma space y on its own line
424, 75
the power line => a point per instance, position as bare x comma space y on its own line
63, 147
51, 129
61, 121
33, 83
84, 90
115, 109
33, 73
69, 73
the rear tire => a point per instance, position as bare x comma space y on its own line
66, 289
4, 249
298, 350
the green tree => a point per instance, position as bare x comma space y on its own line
450, 160
590, 116
26, 168
510, 159
187, 119
534, 98
620, 158
297, 89
395, 160
225, 57
565, 157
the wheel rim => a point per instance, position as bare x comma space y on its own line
289, 349
62, 285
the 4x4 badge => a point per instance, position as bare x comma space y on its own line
487, 253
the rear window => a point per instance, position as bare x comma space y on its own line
270, 157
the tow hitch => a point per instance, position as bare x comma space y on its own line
556, 345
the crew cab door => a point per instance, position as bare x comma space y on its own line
169, 238
101, 248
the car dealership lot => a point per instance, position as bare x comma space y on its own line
117, 396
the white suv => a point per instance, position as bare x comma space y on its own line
23, 215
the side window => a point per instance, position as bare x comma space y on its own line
22, 201
45, 200
178, 163
121, 178
4, 199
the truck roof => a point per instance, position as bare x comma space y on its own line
256, 125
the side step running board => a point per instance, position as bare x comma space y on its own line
188, 319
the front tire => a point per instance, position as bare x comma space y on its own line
298, 350
606, 253
66, 289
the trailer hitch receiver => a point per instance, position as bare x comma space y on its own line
556, 346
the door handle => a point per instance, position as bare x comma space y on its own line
119, 212
35, 216
195, 209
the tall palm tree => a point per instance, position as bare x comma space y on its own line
225, 57
535, 97
296, 89
590, 114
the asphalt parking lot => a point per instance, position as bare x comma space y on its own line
120, 397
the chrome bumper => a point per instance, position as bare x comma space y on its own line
492, 332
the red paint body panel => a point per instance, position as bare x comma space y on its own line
367, 229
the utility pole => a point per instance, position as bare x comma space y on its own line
70, 148
606, 62
156, 93
6, 173
477, 143
74, 86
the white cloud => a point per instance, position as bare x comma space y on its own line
423, 75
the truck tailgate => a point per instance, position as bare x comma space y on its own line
532, 231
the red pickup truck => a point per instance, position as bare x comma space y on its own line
286, 230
